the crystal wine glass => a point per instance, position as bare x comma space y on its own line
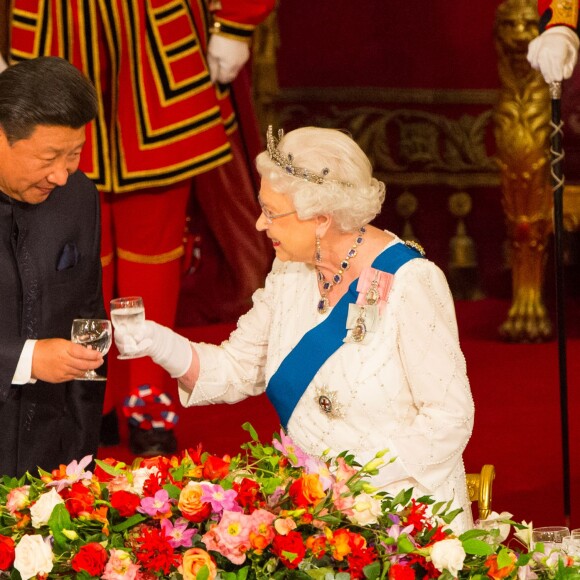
571, 544
551, 537
92, 333
127, 313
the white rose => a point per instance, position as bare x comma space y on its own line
448, 555
366, 510
43, 507
33, 556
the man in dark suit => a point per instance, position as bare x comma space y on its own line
50, 268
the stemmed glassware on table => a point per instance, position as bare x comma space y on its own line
92, 333
127, 312
552, 537
571, 544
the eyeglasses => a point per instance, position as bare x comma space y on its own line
270, 217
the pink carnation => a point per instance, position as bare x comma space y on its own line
17, 499
231, 537
120, 567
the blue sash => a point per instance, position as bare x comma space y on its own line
301, 364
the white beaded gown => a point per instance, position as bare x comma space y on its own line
404, 387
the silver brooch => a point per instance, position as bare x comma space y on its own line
328, 402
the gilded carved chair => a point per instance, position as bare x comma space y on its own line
479, 489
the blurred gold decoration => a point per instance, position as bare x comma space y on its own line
264, 72
463, 274
407, 204
522, 129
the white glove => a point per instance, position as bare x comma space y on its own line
226, 57
554, 53
3, 64
167, 348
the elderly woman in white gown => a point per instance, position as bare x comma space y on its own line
353, 338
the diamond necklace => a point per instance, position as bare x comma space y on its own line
328, 285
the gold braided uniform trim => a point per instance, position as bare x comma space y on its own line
107, 260
155, 259
233, 30
564, 12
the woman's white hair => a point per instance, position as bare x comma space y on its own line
349, 191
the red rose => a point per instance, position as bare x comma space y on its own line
249, 495
216, 468
289, 548
6, 552
78, 499
401, 572
125, 502
91, 558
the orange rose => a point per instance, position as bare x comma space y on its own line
190, 504
340, 543
499, 573
193, 561
307, 490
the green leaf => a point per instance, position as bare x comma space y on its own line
248, 427
477, 547
178, 473
404, 545
403, 497
129, 523
504, 558
437, 507
469, 534
427, 499
319, 573
173, 491
60, 520
448, 518
108, 468
372, 571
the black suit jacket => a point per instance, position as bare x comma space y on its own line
50, 273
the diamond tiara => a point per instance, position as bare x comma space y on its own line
286, 162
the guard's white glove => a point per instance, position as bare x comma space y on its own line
167, 348
554, 53
226, 57
3, 64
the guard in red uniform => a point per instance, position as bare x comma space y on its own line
555, 51
161, 69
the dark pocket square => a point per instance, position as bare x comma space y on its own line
68, 258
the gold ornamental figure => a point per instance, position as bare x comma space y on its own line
522, 136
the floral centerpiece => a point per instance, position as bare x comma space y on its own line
269, 512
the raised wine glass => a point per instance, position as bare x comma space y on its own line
92, 333
127, 312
